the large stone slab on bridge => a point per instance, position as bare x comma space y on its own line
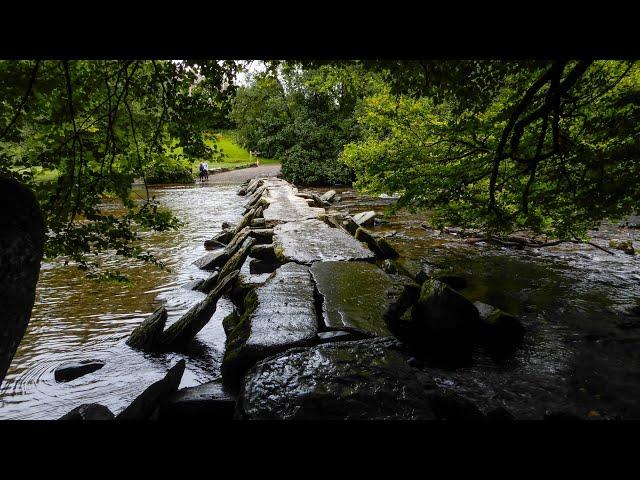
284, 204
312, 240
358, 295
362, 380
278, 315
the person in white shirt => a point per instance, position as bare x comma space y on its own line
205, 166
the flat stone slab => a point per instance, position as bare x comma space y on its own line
356, 295
285, 205
310, 241
281, 314
362, 380
209, 401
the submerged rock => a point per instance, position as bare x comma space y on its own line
312, 240
367, 379
278, 315
145, 404
209, 401
89, 411
356, 294
72, 370
365, 219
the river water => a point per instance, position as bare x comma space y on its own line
574, 301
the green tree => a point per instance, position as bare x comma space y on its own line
97, 126
551, 147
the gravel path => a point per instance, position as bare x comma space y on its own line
243, 174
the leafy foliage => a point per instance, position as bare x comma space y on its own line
548, 147
99, 125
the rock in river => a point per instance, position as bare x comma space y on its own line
312, 240
366, 379
209, 401
356, 295
365, 219
500, 330
278, 315
71, 370
89, 411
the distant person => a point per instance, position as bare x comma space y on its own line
206, 170
201, 173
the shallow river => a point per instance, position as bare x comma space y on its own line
572, 299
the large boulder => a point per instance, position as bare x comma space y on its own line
21, 248
361, 380
145, 404
310, 241
72, 370
328, 196
442, 323
89, 411
501, 331
357, 295
209, 401
277, 315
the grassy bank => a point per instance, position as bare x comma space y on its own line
235, 155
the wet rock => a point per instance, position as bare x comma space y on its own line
338, 336
356, 295
364, 236
258, 267
220, 239
145, 404
449, 405
278, 315
443, 324
146, 336
500, 330
238, 258
180, 333
312, 240
389, 267
72, 370
21, 247
328, 196
365, 219
263, 252
386, 249
625, 246
209, 401
228, 226
262, 235
207, 285
367, 379
284, 205
258, 223
413, 269
212, 260
89, 411
454, 281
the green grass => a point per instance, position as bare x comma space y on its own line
235, 154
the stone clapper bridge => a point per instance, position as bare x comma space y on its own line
316, 339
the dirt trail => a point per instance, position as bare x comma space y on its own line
243, 174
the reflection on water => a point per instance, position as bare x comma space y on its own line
582, 344
75, 318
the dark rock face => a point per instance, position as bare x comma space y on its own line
501, 331
367, 379
89, 411
21, 247
221, 239
145, 404
312, 241
356, 295
257, 267
72, 370
442, 324
279, 315
454, 281
147, 335
212, 260
209, 401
